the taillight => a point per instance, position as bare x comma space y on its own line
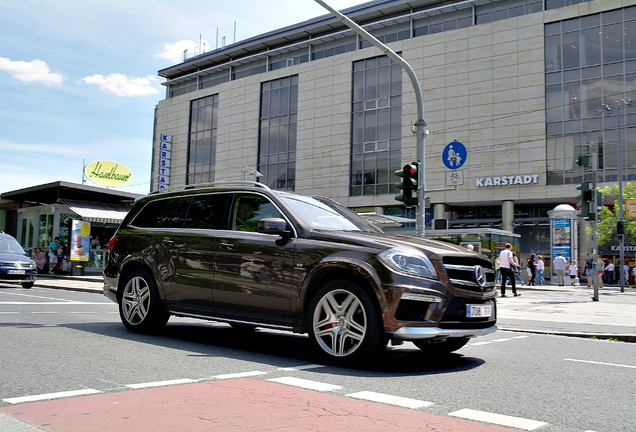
112, 243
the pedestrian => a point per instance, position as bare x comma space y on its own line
589, 264
497, 272
517, 271
540, 265
532, 269
559, 267
506, 263
625, 273
573, 270
600, 265
53, 254
609, 273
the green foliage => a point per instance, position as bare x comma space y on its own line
608, 218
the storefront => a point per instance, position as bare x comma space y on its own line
38, 215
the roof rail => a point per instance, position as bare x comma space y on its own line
211, 184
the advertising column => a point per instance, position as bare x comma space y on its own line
79, 245
563, 233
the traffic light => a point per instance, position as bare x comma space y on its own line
620, 228
585, 200
408, 183
584, 161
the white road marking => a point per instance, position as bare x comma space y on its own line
305, 367
161, 383
239, 375
66, 303
602, 363
498, 340
57, 395
308, 384
500, 419
388, 399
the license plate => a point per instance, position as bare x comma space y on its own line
478, 311
17, 272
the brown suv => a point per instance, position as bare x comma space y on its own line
254, 257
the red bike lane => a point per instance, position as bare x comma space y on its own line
232, 405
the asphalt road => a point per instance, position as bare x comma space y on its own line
58, 341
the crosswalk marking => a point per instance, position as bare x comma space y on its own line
500, 419
161, 383
308, 384
392, 400
57, 395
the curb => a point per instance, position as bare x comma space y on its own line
605, 336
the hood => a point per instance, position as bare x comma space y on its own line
382, 241
14, 258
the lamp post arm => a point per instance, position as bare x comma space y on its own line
420, 124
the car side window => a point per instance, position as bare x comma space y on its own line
249, 209
163, 213
207, 211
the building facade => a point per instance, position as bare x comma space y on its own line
510, 88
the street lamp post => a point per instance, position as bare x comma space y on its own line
419, 127
619, 105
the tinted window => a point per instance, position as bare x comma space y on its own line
249, 209
165, 213
207, 212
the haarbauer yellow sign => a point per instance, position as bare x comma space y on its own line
107, 173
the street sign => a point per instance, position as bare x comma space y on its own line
454, 155
454, 178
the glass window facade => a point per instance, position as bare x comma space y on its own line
590, 61
202, 139
277, 134
376, 121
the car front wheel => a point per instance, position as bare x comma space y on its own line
345, 322
140, 307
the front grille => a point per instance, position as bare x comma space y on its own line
463, 273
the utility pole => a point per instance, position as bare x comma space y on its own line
595, 281
419, 126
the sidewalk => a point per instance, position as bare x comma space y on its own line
547, 309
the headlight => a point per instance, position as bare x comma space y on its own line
408, 262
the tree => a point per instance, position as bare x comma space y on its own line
609, 217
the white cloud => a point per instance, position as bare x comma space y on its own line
174, 52
33, 71
122, 85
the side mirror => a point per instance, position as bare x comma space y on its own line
274, 226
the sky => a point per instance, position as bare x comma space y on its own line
79, 83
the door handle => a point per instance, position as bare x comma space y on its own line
226, 245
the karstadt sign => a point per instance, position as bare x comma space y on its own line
507, 180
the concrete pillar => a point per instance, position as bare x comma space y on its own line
439, 211
508, 215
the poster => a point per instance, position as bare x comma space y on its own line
562, 233
80, 241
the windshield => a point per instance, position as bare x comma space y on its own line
10, 245
324, 213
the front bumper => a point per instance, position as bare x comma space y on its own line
416, 333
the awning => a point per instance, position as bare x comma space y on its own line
97, 212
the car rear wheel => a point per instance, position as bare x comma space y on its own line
140, 307
445, 347
345, 322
